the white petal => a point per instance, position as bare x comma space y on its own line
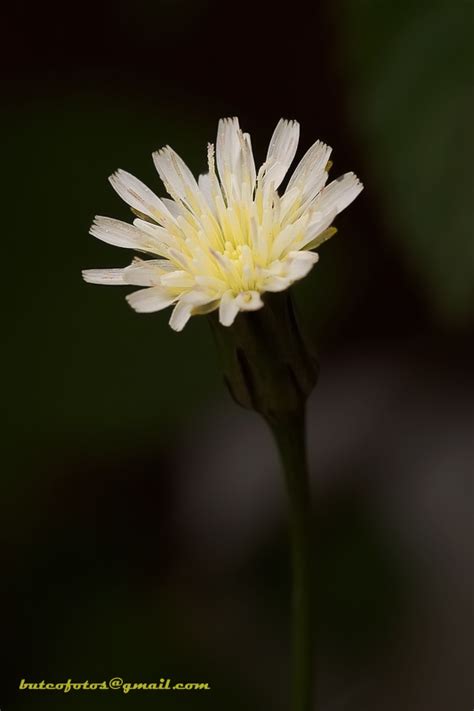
175, 174
249, 173
318, 224
146, 273
210, 282
283, 240
139, 196
179, 258
310, 174
300, 264
197, 297
290, 202
121, 234
204, 183
114, 277
234, 157
205, 186
180, 316
159, 234
339, 194
175, 208
249, 301
228, 147
206, 308
228, 309
281, 151
276, 283
178, 279
148, 300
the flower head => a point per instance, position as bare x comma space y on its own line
222, 241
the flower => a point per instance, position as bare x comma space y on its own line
224, 240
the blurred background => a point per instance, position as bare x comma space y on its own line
143, 520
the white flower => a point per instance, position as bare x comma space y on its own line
222, 241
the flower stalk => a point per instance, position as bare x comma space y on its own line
290, 436
269, 367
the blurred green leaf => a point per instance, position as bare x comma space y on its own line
408, 69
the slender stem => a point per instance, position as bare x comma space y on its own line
291, 440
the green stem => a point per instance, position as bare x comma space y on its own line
291, 440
